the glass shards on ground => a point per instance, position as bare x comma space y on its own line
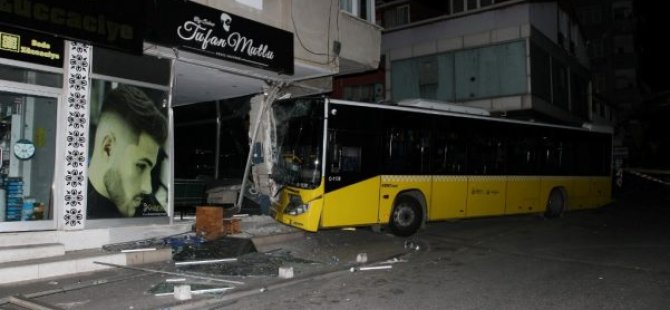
208, 258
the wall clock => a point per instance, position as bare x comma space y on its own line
24, 149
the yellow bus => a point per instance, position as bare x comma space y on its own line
344, 164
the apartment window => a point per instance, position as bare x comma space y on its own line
596, 48
457, 6
622, 10
396, 16
363, 9
364, 93
483, 3
624, 44
472, 4
590, 15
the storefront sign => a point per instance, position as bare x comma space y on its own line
112, 24
207, 31
31, 47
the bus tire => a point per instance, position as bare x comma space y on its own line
406, 217
555, 203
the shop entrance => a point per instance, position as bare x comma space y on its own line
27, 160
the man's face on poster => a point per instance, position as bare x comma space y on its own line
128, 178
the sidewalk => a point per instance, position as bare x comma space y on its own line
255, 269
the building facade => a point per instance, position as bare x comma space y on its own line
80, 170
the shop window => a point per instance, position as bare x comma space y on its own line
128, 163
31, 76
27, 155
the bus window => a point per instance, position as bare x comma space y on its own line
522, 155
450, 153
350, 159
406, 150
486, 150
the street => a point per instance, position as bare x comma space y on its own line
616, 257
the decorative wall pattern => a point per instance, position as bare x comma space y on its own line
77, 93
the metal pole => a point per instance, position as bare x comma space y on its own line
217, 153
267, 101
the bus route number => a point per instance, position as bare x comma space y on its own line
335, 178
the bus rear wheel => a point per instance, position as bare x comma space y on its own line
406, 217
555, 203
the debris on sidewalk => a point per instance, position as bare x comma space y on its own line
195, 288
182, 292
138, 250
394, 260
208, 261
285, 272
366, 268
169, 273
362, 258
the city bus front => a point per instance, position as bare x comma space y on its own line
299, 142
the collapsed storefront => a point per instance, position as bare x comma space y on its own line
87, 129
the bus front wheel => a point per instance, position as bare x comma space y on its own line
406, 217
555, 203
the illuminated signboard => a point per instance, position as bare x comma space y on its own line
207, 31
31, 47
112, 24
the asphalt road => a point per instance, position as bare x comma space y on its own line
616, 257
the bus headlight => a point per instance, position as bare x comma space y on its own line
296, 206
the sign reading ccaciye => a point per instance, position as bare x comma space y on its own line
207, 31
31, 47
112, 24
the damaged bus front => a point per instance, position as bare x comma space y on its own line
299, 136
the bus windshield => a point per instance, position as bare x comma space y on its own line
299, 140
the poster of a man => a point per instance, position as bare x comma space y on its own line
126, 155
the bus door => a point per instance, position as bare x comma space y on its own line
351, 184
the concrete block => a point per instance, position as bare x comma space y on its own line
135, 258
160, 255
285, 272
362, 258
182, 292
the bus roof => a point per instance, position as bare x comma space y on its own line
424, 110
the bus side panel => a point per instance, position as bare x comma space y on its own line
448, 199
548, 183
356, 204
602, 191
582, 193
391, 185
523, 195
486, 195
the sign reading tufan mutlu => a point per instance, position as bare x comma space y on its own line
203, 30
